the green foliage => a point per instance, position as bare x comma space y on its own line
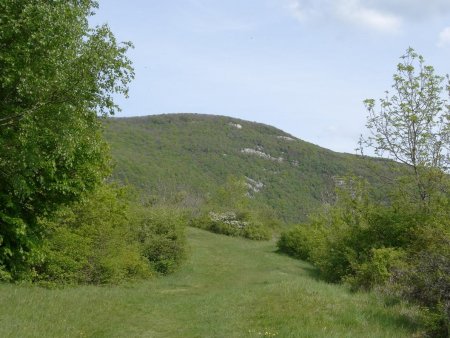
377, 268
57, 76
400, 242
195, 154
231, 211
231, 195
257, 231
109, 238
401, 249
162, 237
425, 278
426, 281
93, 241
228, 287
233, 224
299, 241
5, 276
412, 125
222, 223
350, 239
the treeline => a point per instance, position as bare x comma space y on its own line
400, 244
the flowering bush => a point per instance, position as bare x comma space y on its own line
233, 224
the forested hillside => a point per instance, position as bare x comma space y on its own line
190, 155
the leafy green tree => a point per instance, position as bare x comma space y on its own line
58, 76
412, 124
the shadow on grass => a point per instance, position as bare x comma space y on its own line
313, 273
309, 269
410, 320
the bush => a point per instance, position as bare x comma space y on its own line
108, 238
230, 211
5, 276
350, 240
401, 248
227, 223
327, 240
162, 237
377, 269
232, 223
298, 242
331, 254
426, 278
92, 241
256, 231
354, 249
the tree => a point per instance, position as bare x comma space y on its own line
412, 125
57, 79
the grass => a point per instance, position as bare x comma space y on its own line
229, 287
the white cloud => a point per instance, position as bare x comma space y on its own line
380, 15
298, 11
355, 12
444, 37
307, 9
412, 9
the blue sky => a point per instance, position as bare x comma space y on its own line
303, 66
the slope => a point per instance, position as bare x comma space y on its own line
222, 291
194, 154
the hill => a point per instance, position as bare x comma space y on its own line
190, 155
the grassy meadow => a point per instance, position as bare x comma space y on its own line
229, 287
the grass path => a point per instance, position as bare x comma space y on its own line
228, 288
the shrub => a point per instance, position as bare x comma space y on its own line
401, 248
108, 238
231, 223
256, 231
5, 276
426, 278
162, 237
227, 223
377, 269
230, 211
297, 242
347, 241
331, 254
92, 241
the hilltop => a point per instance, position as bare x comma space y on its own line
190, 155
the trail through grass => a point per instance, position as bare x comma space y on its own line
228, 288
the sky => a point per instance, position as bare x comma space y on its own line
304, 66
